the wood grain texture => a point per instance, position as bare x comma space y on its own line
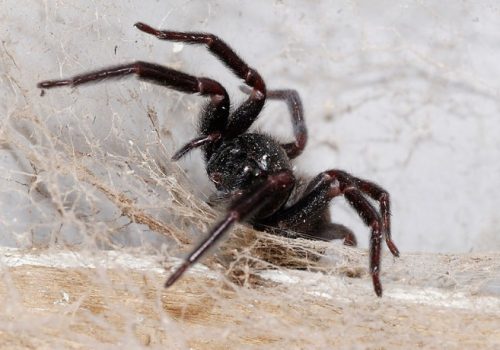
109, 307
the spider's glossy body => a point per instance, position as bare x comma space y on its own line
253, 171
239, 164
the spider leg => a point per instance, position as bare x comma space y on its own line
382, 196
195, 143
244, 115
292, 99
240, 210
307, 212
217, 109
330, 231
310, 216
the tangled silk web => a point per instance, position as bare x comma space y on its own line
102, 200
88, 201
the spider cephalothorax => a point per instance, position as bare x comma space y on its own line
251, 170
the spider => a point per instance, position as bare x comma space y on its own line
252, 172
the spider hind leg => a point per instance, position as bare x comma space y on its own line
307, 215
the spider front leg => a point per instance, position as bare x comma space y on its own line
218, 107
244, 116
240, 210
294, 103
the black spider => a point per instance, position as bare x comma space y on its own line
251, 170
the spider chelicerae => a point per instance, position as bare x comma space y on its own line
253, 171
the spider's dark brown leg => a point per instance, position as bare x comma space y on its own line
382, 196
217, 109
239, 210
292, 99
309, 209
371, 218
244, 115
331, 231
310, 216
195, 143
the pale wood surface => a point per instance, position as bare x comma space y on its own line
116, 300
